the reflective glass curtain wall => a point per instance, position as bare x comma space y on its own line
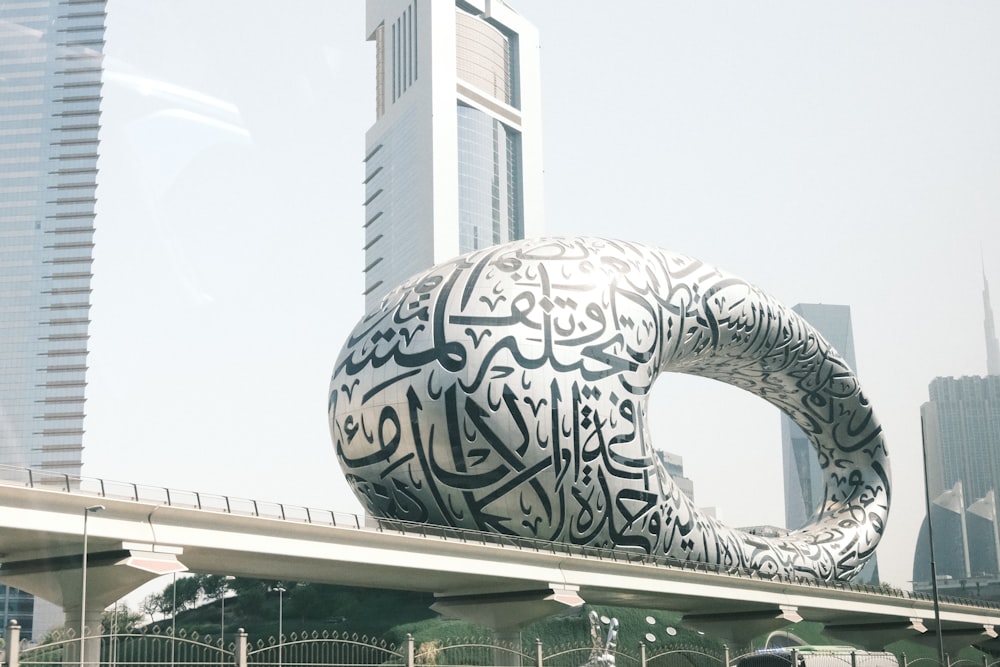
962, 429
50, 71
489, 181
489, 152
50, 92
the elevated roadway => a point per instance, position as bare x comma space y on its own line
136, 533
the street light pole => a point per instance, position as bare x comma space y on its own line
173, 622
222, 629
83, 582
281, 632
930, 539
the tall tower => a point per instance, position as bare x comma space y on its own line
804, 482
992, 346
961, 431
961, 424
454, 160
50, 93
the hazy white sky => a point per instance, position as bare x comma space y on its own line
837, 152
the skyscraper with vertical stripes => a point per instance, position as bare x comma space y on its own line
50, 94
962, 427
453, 162
961, 439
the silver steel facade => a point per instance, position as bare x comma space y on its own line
803, 477
505, 390
50, 93
453, 161
802, 473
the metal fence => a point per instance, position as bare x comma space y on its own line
156, 648
160, 648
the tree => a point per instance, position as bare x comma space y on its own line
214, 586
251, 594
154, 604
180, 594
121, 619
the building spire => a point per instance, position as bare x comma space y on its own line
992, 346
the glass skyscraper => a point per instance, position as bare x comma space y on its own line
961, 429
453, 161
50, 94
961, 432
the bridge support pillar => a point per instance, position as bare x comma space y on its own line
876, 635
90, 642
509, 611
739, 627
111, 574
956, 638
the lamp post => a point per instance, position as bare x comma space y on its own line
173, 622
930, 539
114, 632
222, 629
281, 633
83, 582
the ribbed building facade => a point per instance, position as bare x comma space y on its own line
50, 94
961, 424
453, 161
961, 433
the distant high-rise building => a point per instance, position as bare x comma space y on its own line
803, 478
50, 94
674, 466
961, 432
961, 435
453, 162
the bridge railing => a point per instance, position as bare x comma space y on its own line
101, 488
158, 495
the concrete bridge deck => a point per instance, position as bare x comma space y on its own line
143, 532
